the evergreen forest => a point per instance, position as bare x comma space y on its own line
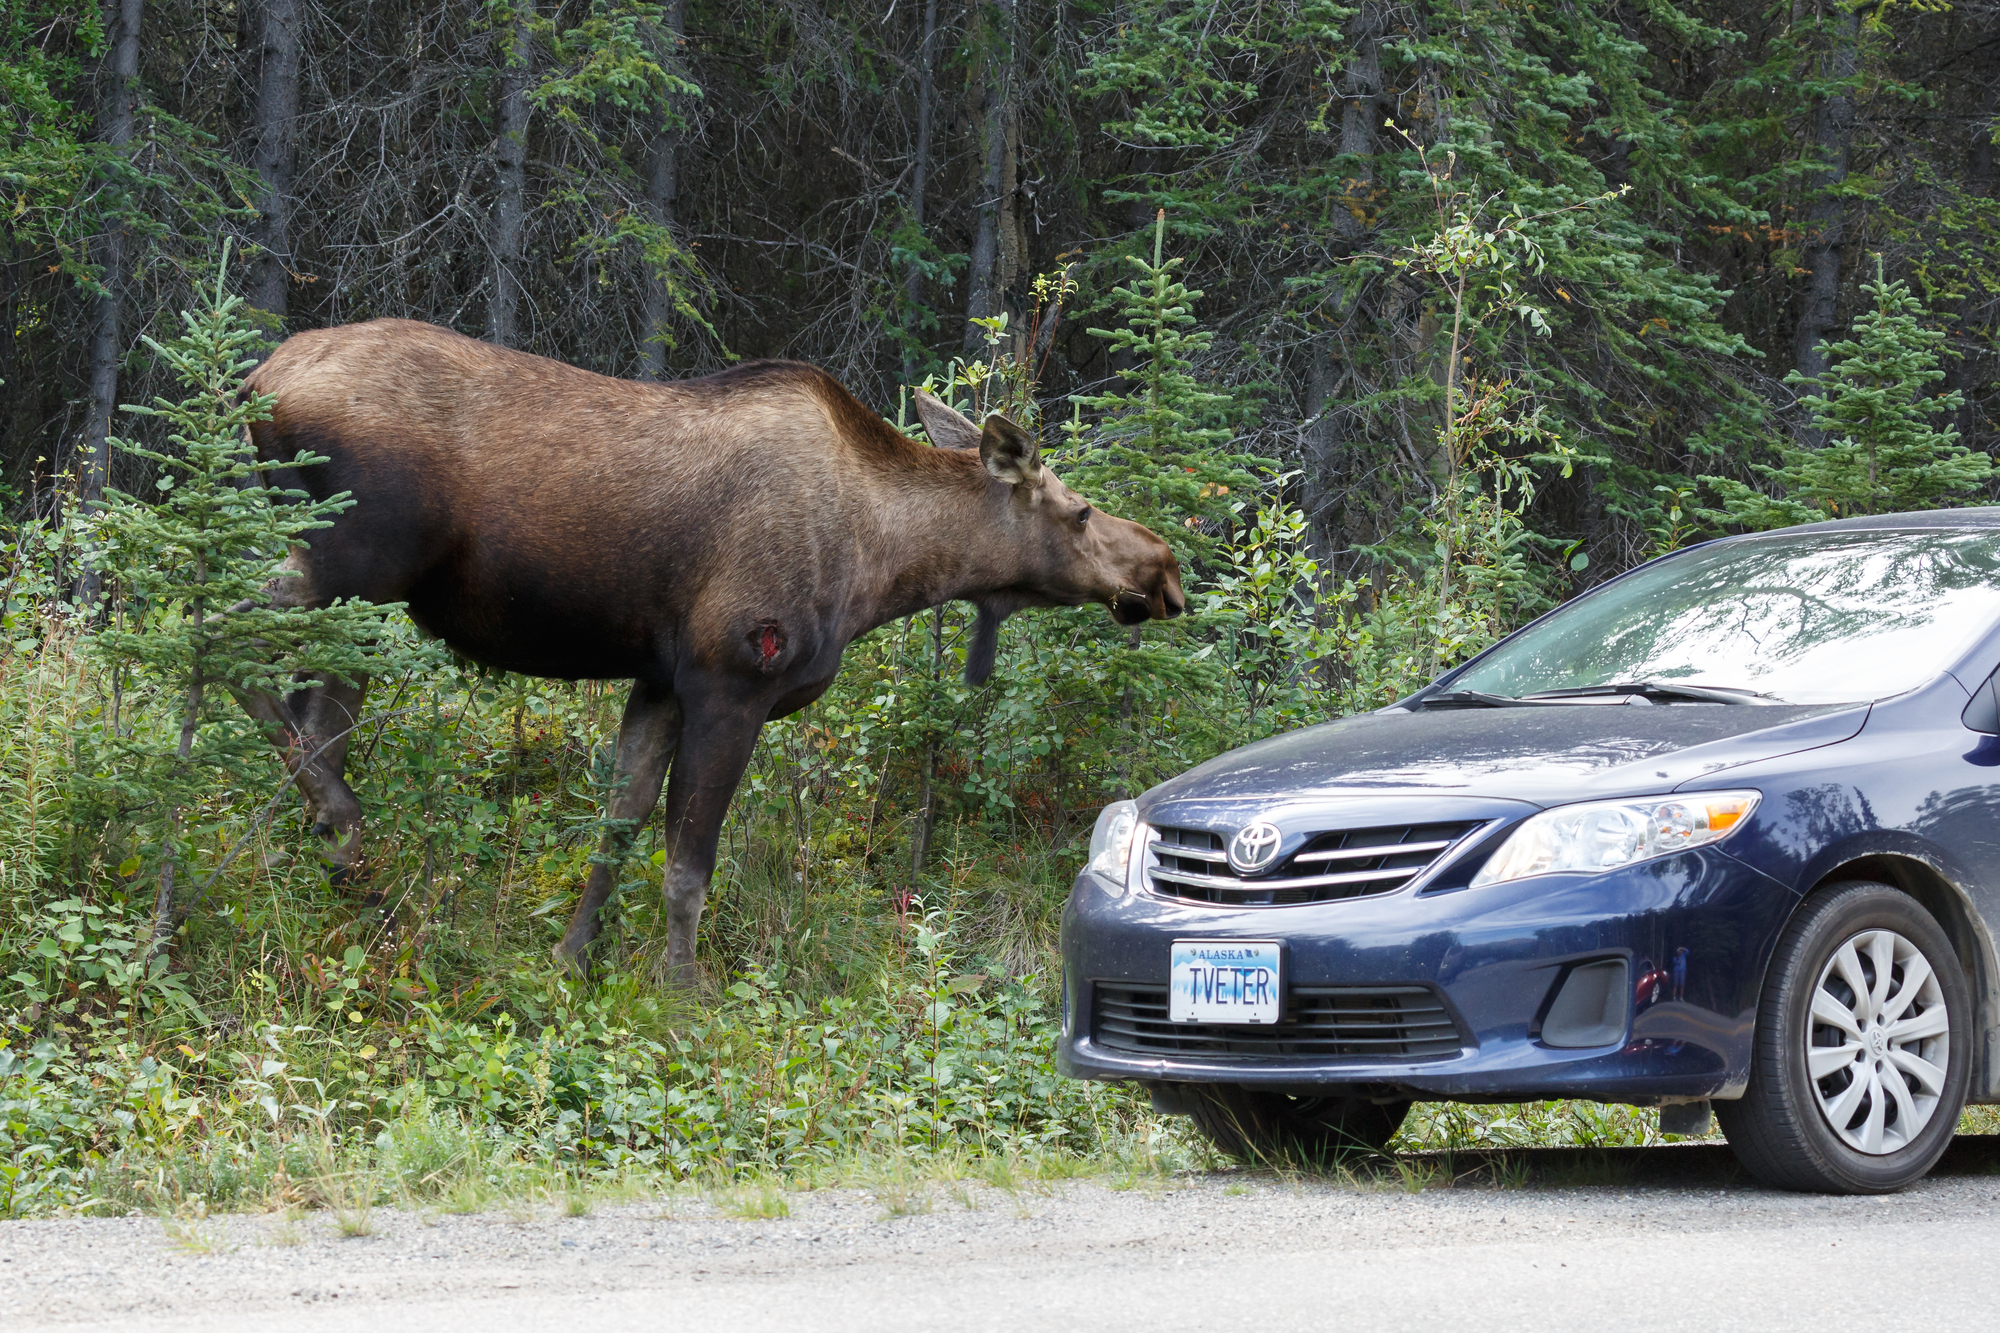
1403, 322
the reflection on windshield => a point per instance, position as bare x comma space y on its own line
1809, 617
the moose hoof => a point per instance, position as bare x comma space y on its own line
681, 978
577, 964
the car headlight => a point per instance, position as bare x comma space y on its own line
1111, 840
1603, 835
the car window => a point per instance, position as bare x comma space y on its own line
1805, 617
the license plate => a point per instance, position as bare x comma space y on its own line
1224, 981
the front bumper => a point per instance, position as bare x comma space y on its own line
1494, 956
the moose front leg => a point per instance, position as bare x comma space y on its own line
647, 737
714, 752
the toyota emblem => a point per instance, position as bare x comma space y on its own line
1255, 848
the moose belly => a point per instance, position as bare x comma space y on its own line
538, 628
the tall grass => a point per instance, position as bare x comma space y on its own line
42, 693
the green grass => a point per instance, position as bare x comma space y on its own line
356, 1222
195, 1235
759, 1200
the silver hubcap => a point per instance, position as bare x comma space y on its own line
1878, 1042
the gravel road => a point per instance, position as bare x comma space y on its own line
1682, 1242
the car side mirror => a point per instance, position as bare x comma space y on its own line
1983, 713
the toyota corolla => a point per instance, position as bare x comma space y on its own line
1723, 833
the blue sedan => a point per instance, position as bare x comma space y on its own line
1723, 833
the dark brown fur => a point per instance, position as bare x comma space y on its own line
718, 541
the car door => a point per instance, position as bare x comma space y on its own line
1961, 814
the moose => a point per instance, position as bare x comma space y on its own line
717, 541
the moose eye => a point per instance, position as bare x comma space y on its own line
1083, 514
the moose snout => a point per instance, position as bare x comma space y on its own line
1162, 600
1143, 575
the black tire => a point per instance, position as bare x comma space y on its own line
1261, 1127
1780, 1130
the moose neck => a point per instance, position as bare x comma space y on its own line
949, 536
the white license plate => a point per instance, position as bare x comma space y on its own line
1224, 981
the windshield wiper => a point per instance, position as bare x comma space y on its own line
1473, 699
1645, 689
1661, 689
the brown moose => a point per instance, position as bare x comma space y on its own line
718, 541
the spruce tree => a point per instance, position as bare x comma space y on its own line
1882, 452
1161, 455
193, 618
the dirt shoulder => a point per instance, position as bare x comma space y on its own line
1227, 1249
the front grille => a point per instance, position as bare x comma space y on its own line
1193, 865
1356, 1022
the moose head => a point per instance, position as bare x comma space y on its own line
1069, 552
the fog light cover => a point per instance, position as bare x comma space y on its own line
1590, 1009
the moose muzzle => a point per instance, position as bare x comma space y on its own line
1129, 606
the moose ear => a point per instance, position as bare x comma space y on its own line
946, 427
1009, 452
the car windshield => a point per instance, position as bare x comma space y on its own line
1802, 617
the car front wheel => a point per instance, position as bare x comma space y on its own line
1257, 1127
1862, 1051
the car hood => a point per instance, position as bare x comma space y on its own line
1542, 756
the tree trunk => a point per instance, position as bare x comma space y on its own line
13, 393
920, 844
1971, 372
1361, 114
120, 85
166, 914
913, 280
1320, 445
1826, 216
990, 99
279, 24
662, 187
510, 171
1328, 427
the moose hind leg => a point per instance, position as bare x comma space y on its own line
312, 730
312, 727
647, 737
327, 722
716, 749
